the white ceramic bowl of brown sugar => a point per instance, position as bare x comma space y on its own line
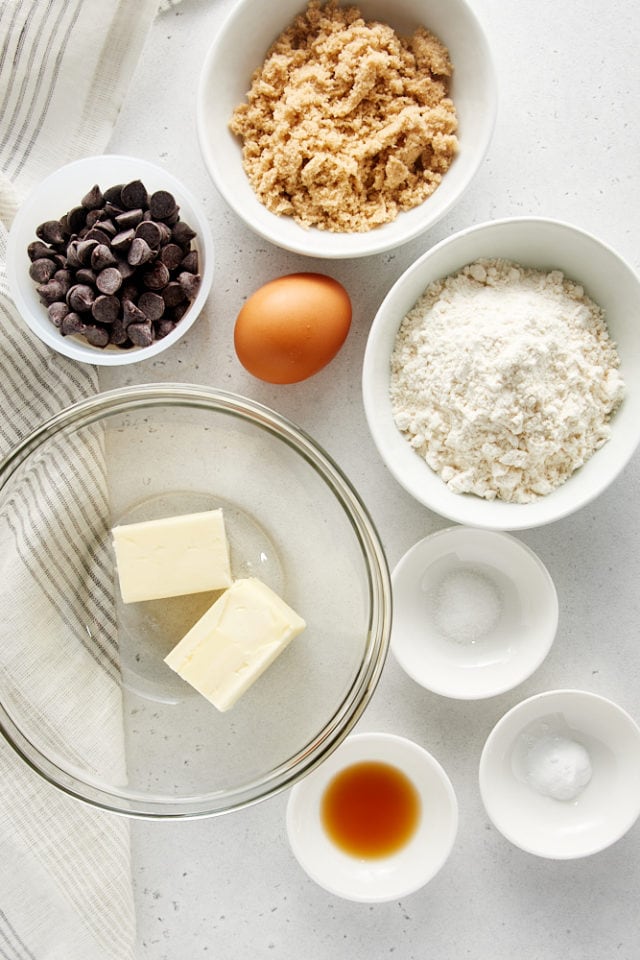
522, 391
331, 193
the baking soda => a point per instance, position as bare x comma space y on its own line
558, 767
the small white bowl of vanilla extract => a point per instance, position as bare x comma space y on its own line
376, 821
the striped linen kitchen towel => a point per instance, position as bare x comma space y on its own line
65, 881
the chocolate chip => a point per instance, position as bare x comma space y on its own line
102, 257
153, 233
123, 240
106, 225
157, 277
77, 218
173, 294
71, 324
106, 309
126, 269
182, 233
64, 278
42, 270
38, 249
162, 205
80, 297
150, 233
112, 194
152, 305
93, 217
131, 313
130, 218
109, 280
93, 199
73, 260
164, 327
51, 232
139, 252
113, 209
57, 311
97, 336
129, 290
173, 217
97, 234
172, 256
86, 275
84, 250
178, 312
133, 195
190, 283
190, 262
51, 291
118, 333
141, 333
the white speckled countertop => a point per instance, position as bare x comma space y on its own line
566, 146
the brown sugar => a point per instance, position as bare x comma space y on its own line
346, 123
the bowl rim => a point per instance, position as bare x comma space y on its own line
79, 350
311, 242
89, 410
454, 507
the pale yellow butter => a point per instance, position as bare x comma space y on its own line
172, 556
235, 641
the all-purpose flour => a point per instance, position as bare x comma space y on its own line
504, 379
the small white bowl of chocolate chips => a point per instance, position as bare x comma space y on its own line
110, 260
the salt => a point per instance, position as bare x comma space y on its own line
558, 767
467, 605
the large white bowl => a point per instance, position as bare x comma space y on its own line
541, 244
58, 193
240, 48
609, 804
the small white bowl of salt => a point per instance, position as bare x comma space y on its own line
475, 612
560, 774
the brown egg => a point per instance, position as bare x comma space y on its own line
292, 327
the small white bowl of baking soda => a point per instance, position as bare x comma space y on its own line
560, 774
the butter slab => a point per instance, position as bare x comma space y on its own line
172, 556
235, 641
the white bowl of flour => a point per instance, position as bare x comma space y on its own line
500, 375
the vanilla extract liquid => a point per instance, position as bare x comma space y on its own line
370, 809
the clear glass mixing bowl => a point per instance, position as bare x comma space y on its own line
85, 697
